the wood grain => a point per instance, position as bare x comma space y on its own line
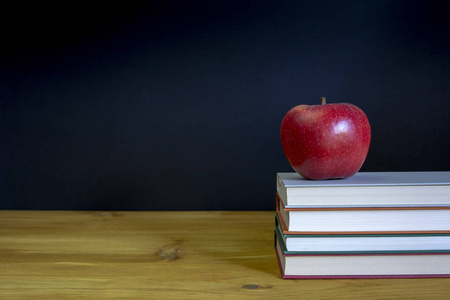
165, 255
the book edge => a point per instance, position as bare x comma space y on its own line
286, 231
349, 182
399, 276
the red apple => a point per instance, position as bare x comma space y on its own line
326, 141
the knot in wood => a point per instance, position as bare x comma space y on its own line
251, 286
170, 252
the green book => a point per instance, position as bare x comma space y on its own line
361, 243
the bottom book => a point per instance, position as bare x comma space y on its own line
414, 265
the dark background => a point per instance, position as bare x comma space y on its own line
177, 105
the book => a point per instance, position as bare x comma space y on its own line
361, 244
355, 220
366, 189
416, 265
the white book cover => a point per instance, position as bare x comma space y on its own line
366, 189
292, 179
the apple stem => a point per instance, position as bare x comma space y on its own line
324, 100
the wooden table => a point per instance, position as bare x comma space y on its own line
165, 255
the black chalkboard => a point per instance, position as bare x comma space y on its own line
177, 105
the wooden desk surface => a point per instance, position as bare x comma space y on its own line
165, 255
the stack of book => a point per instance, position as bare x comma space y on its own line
371, 225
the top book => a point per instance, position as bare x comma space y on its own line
366, 189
